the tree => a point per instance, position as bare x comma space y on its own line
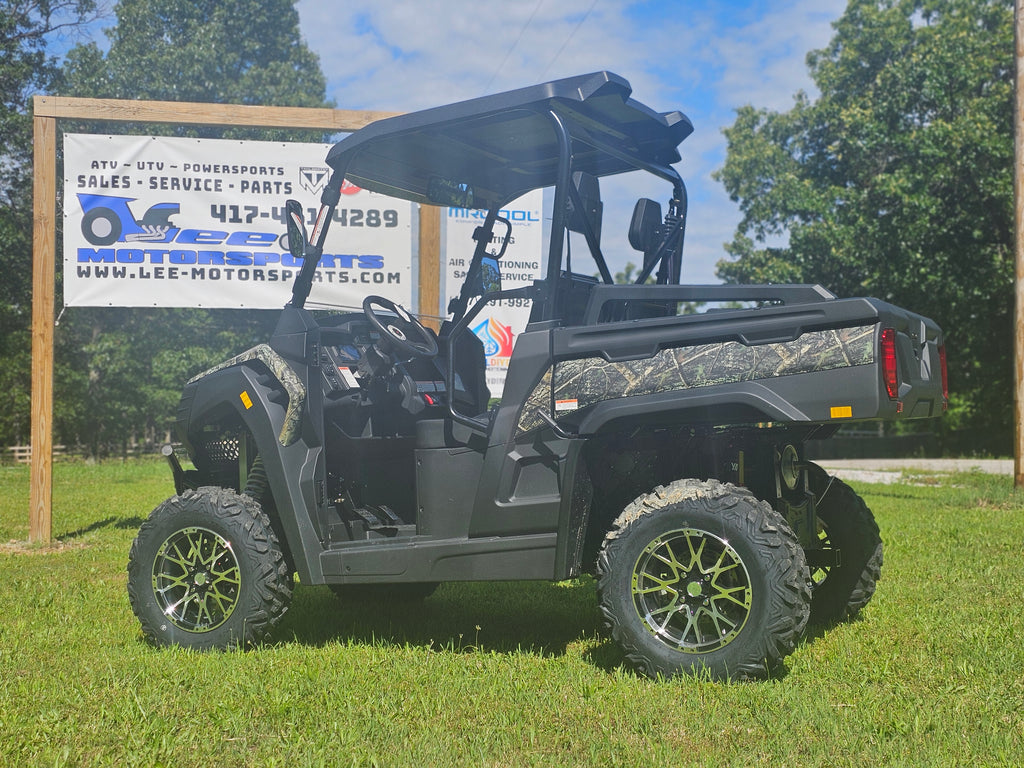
896, 182
25, 68
221, 51
120, 371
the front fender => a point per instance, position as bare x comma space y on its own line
290, 453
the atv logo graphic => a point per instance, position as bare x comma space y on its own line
497, 338
313, 179
109, 220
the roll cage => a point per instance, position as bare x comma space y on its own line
486, 152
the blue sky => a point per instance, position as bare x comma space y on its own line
703, 58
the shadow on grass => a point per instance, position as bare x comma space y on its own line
107, 522
505, 617
499, 617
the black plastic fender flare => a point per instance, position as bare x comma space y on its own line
290, 462
287, 377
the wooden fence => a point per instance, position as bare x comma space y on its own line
22, 454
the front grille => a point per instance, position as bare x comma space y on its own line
218, 451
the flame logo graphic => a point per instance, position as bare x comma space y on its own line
497, 338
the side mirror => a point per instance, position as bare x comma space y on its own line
643, 229
297, 237
490, 275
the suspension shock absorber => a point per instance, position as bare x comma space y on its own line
256, 482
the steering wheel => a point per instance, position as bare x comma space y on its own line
403, 333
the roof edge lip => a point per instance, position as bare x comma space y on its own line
577, 88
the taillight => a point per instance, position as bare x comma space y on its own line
942, 367
889, 373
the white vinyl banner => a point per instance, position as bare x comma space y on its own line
500, 323
171, 222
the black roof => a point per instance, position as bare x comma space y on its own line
504, 145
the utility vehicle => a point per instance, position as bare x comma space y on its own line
660, 450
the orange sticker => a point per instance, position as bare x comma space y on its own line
842, 412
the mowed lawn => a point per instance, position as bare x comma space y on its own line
506, 674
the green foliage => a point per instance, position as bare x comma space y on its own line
221, 51
123, 369
506, 673
896, 181
628, 275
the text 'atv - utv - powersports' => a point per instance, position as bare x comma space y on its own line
661, 451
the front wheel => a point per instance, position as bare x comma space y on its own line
206, 571
701, 575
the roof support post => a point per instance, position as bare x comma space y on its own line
558, 214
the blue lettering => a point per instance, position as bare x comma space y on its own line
252, 238
517, 215
262, 259
210, 257
201, 237
238, 258
130, 255
182, 257
96, 254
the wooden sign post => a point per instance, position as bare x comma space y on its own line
1018, 220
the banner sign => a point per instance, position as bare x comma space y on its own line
500, 323
172, 222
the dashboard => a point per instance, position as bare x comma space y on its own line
347, 352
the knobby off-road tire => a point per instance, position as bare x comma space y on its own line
844, 523
702, 576
206, 571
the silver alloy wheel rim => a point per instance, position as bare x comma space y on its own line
196, 579
691, 590
820, 573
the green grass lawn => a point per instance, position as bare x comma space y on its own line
506, 674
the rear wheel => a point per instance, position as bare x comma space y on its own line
701, 575
206, 571
846, 524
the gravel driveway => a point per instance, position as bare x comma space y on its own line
891, 470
